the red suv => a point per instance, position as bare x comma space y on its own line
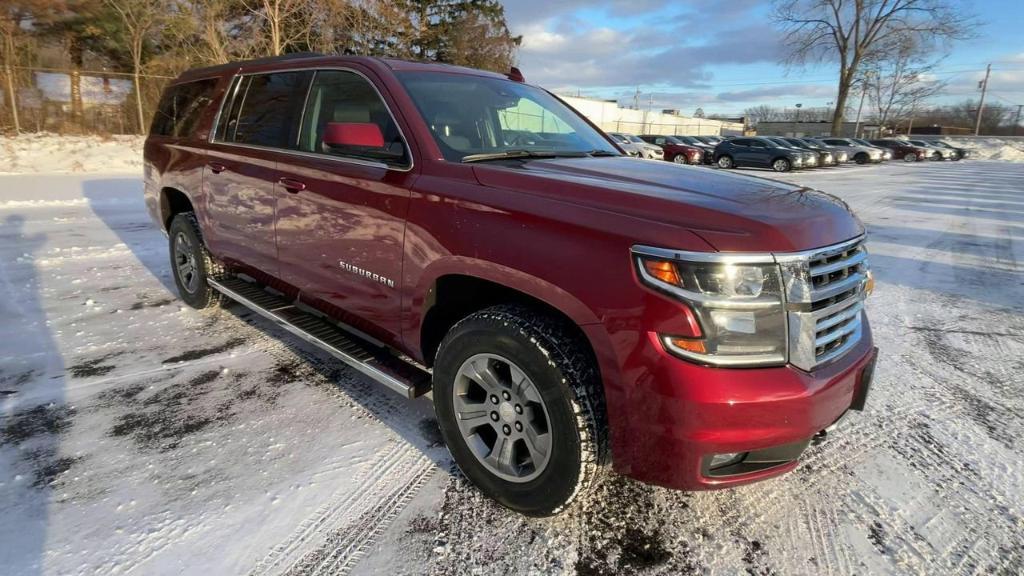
675, 149
447, 229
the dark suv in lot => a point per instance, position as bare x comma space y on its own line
457, 231
757, 153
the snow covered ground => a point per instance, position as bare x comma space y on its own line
139, 436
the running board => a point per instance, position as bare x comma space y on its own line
371, 360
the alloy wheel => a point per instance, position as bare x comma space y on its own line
502, 417
185, 262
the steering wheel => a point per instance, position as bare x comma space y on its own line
522, 139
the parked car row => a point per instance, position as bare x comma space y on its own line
782, 153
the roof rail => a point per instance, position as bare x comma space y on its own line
254, 62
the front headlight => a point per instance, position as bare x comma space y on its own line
737, 301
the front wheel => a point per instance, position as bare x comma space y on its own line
725, 162
519, 403
861, 158
781, 165
679, 159
910, 158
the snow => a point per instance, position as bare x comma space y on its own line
140, 436
52, 153
1006, 149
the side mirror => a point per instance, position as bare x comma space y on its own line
361, 139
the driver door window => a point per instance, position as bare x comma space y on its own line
345, 117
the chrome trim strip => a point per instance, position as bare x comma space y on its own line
837, 334
713, 257
830, 290
840, 317
736, 361
839, 264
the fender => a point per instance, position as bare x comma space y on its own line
532, 286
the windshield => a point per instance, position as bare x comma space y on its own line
636, 139
781, 143
798, 144
472, 115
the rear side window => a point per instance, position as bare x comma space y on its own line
264, 110
180, 108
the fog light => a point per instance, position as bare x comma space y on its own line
723, 460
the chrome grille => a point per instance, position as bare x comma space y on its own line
825, 295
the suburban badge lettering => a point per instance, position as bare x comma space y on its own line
366, 274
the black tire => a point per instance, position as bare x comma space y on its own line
781, 165
725, 161
193, 289
562, 369
861, 158
679, 159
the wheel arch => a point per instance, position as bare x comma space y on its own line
462, 286
172, 202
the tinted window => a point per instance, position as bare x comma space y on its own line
181, 106
740, 142
341, 97
265, 109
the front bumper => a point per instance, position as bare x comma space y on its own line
683, 414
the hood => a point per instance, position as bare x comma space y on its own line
732, 212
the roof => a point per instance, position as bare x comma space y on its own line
313, 59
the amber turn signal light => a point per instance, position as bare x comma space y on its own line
663, 270
869, 284
688, 344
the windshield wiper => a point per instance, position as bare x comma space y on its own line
518, 154
512, 154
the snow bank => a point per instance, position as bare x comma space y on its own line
1006, 149
53, 153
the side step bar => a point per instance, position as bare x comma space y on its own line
369, 359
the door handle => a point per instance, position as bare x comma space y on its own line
217, 167
292, 185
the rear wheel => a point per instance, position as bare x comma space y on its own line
781, 165
725, 162
519, 403
191, 264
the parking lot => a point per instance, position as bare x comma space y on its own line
142, 436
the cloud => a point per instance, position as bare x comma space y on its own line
593, 45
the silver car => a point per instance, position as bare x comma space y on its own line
936, 152
627, 145
650, 151
856, 152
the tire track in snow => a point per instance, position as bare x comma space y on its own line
335, 537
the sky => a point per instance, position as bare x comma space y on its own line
725, 56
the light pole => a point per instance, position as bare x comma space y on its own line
798, 107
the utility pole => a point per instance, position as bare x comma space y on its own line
1016, 120
981, 104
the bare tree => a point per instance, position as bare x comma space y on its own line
857, 33
15, 15
281, 18
762, 113
211, 31
140, 17
899, 83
